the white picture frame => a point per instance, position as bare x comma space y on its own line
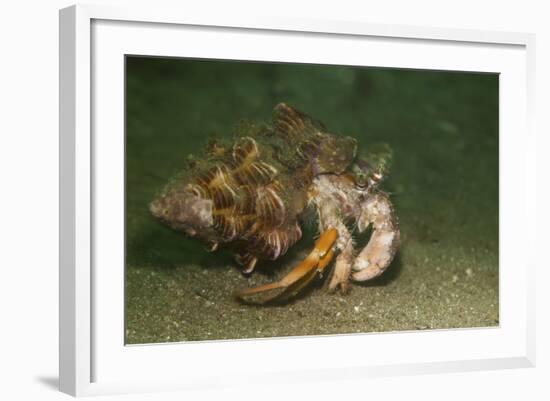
93, 360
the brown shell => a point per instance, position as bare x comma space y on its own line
258, 185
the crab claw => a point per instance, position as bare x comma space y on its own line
375, 258
298, 278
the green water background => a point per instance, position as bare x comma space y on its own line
443, 128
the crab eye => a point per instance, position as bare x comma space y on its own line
376, 178
360, 181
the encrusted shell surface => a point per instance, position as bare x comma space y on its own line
258, 184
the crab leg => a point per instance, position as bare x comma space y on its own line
295, 288
330, 215
299, 277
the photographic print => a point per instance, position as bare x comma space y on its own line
273, 199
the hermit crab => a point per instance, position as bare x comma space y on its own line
252, 194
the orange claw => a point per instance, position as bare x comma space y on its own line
298, 278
